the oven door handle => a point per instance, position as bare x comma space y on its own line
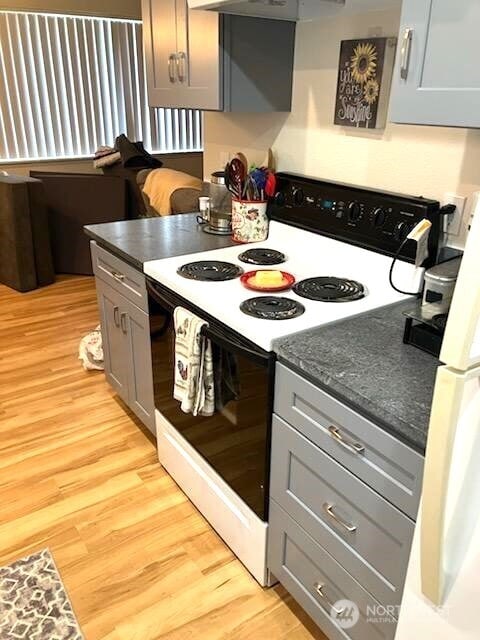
233, 345
159, 297
226, 342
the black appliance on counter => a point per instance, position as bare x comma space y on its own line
426, 320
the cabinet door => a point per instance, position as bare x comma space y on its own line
140, 376
115, 347
198, 59
437, 76
160, 43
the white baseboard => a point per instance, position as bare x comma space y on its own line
243, 531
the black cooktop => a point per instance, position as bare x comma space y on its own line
262, 256
272, 308
210, 270
330, 289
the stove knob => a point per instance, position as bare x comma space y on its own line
280, 199
298, 197
379, 217
354, 211
401, 231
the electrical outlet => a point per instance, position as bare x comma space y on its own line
454, 221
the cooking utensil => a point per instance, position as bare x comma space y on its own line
271, 185
230, 181
248, 281
236, 177
243, 159
269, 161
259, 177
250, 190
227, 176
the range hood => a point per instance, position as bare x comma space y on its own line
276, 9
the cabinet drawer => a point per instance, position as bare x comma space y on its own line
361, 530
379, 459
304, 568
120, 275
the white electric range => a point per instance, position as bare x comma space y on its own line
307, 255
343, 237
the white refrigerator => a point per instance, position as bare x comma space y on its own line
441, 600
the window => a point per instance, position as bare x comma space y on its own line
70, 84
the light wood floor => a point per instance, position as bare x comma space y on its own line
79, 475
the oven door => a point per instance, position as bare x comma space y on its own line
235, 440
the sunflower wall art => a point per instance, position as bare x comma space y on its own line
364, 78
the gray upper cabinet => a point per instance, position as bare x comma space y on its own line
182, 57
203, 60
437, 78
160, 42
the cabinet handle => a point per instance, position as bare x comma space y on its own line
355, 447
328, 508
115, 317
118, 276
319, 588
405, 52
123, 322
181, 59
171, 67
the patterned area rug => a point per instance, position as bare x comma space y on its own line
33, 602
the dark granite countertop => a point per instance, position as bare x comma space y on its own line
138, 241
363, 362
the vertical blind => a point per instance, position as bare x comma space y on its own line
70, 84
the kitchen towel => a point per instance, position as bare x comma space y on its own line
90, 351
193, 365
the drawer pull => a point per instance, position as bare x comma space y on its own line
355, 447
328, 508
118, 276
319, 589
116, 316
405, 52
123, 322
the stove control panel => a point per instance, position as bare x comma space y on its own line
373, 219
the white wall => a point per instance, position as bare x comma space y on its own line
411, 159
227, 133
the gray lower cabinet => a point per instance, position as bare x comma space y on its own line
206, 60
115, 347
127, 353
344, 496
387, 465
436, 79
141, 399
340, 606
369, 536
